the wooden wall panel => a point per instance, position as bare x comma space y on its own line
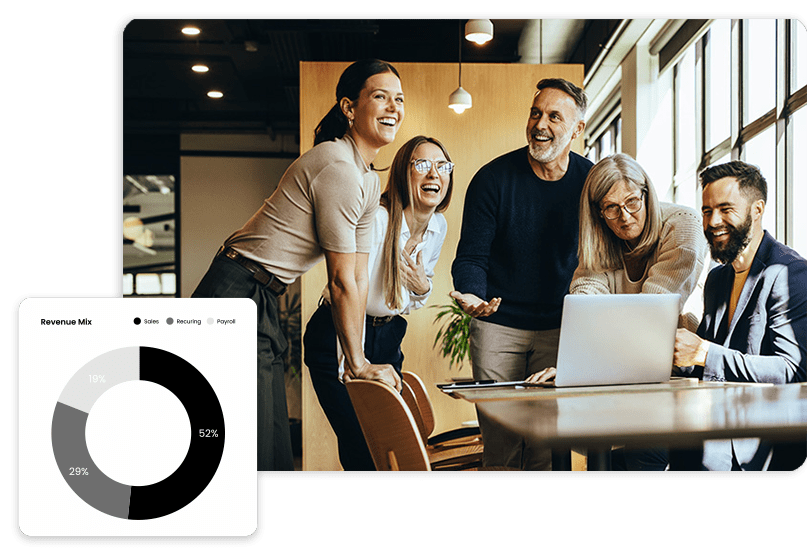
502, 96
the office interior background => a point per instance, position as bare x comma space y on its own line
677, 95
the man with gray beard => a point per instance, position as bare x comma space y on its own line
754, 326
517, 253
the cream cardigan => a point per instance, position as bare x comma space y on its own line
674, 267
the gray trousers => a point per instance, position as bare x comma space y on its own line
226, 278
502, 353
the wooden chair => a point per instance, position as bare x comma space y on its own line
389, 427
390, 430
463, 436
447, 457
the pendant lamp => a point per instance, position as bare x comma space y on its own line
479, 31
460, 99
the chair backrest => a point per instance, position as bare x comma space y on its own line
412, 403
388, 426
423, 399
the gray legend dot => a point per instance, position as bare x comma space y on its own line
209, 321
169, 320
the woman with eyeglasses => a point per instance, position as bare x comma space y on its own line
408, 235
323, 208
631, 243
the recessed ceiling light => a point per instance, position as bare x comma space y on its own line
191, 31
200, 68
215, 94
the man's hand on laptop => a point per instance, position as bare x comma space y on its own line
547, 375
474, 306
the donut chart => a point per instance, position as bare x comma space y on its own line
164, 497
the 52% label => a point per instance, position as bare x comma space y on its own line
208, 433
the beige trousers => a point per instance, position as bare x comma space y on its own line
502, 353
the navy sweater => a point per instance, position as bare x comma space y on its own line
519, 239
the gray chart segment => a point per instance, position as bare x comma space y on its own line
116, 366
70, 450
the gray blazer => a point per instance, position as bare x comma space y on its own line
766, 341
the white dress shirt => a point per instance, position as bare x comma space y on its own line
432, 243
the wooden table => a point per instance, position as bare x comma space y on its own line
680, 413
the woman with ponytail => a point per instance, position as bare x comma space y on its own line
408, 235
323, 207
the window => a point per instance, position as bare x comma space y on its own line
798, 49
149, 235
759, 71
799, 124
686, 129
607, 139
718, 92
150, 283
761, 151
726, 84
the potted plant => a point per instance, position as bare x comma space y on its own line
289, 316
454, 332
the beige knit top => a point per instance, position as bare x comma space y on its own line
674, 267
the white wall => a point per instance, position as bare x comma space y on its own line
216, 196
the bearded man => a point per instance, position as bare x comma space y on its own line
754, 326
516, 256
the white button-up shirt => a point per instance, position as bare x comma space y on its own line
432, 243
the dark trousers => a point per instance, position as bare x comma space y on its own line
382, 344
785, 456
226, 278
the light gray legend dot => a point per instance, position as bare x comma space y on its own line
209, 321
169, 320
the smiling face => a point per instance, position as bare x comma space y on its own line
730, 220
553, 123
378, 112
428, 190
626, 226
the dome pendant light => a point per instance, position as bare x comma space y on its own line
460, 99
479, 31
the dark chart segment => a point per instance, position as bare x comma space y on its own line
182, 486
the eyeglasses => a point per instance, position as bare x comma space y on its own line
424, 165
632, 205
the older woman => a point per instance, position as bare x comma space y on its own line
631, 243
323, 207
408, 236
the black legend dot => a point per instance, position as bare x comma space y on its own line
137, 320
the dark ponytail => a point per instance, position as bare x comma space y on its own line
334, 125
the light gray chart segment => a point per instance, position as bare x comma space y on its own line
73, 458
116, 366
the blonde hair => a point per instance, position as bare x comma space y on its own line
396, 198
599, 248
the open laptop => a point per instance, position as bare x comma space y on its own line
616, 339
